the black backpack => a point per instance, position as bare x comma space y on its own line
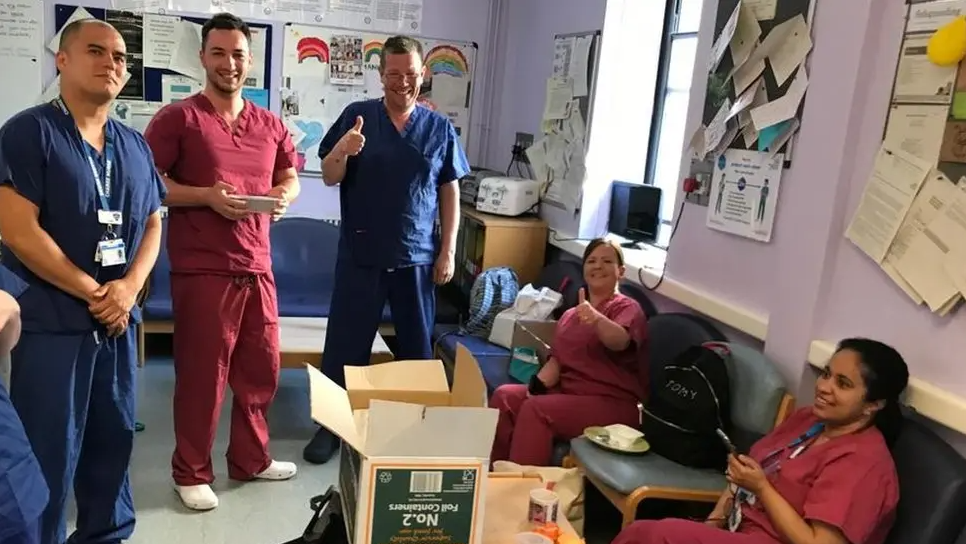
689, 401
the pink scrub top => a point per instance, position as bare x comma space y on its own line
587, 367
849, 482
196, 147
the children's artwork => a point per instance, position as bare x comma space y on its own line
325, 69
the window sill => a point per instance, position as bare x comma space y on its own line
648, 264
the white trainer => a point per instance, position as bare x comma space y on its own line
197, 497
278, 470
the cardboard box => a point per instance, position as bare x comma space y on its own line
537, 335
415, 453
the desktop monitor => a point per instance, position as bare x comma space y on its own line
635, 211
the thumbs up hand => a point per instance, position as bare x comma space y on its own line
353, 141
585, 310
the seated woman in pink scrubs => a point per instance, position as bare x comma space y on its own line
596, 373
824, 476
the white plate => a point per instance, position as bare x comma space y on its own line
263, 204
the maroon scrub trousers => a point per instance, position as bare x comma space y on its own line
222, 288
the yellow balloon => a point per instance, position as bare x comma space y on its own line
947, 46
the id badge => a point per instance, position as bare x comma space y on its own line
107, 217
734, 516
112, 252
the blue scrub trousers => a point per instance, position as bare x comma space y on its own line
358, 299
75, 394
31, 535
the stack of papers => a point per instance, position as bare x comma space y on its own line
912, 222
754, 115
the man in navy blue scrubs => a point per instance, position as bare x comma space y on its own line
398, 165
23, 491
80, 223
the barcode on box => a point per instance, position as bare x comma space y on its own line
426, 482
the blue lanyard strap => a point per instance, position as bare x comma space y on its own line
103, 185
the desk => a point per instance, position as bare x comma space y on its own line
302, 340
507, 502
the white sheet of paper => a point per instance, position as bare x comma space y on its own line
537, 155
717, 127
563, 51
764, 10
79, 14
746, 35
918, 79
724, 39
917, 129
580, 65
574, 128
893, 184
922, 268
783, 108
793, 50
160, 40
743, 77
745, 187
185, 59
560, 92
936, 192
696, 142
929, 16
135, 113
747, 98
175, 88
256, 76
955, 267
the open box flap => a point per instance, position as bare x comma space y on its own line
331, 409
410, 430
419, 375
469, 388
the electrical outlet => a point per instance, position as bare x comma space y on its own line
524, 140
700, 171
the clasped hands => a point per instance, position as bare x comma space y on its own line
223, 198
111, 305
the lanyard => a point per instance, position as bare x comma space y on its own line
103, 185
770, 462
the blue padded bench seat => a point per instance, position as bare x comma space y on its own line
626, 473
494, 360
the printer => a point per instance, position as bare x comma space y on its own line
470, 183
508, 195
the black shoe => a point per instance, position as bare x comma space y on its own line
322, 447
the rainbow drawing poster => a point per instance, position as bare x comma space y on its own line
313, 99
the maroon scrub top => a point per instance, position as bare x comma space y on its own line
196, 147
849, 482
588, 367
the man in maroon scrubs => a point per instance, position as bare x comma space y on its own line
213, 149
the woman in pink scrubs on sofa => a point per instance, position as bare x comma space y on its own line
824, 476
596, 373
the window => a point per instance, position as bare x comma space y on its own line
671, 101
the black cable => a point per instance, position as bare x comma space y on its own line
674, 229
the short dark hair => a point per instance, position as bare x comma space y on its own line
224, 21
399, 45
597, 242
70, 31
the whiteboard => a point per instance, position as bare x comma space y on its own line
324, 69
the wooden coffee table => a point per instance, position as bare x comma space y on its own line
304, 337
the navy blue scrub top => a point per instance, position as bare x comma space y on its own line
389, 196
44, 158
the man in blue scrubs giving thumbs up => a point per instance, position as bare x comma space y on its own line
397, 165
80, 223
